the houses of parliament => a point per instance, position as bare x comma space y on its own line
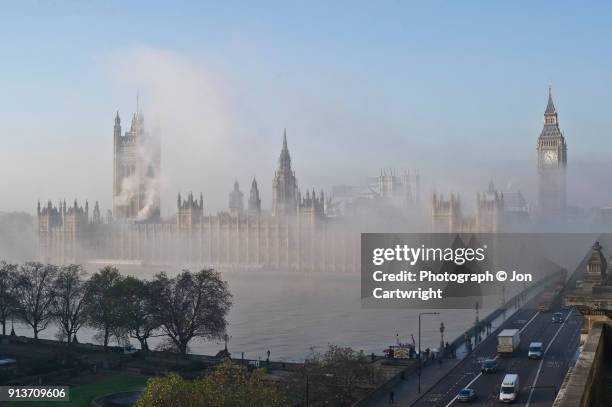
296, 234
301, 231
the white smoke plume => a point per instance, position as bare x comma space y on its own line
145, 182
151, 199
184, 107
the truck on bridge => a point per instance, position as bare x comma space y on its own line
507, 341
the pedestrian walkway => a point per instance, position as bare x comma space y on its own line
406, 391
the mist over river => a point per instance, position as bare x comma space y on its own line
291, 312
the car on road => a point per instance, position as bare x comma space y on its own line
535, 350
489, 366
509, 389
557, 318
466, 395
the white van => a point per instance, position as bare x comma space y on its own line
535, 350
509, 388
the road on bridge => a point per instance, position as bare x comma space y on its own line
539, 379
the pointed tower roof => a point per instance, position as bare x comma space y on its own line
551, 122
284, 160
254, 200
550, 107
254, 190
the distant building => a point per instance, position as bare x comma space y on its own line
136, 172
284, 185
490, 210
552, 163
389, 189
236, 200
296, 235
254, 200
403, 189
496, 211
446, 215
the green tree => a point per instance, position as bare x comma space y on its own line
35, 291
191, 305
8, 295
138, 317
104, 304
69, 300
338, 377
171, 391
228, 385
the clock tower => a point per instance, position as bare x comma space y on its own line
552, 162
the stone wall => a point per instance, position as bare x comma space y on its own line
584, 386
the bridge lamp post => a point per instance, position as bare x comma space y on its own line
420, 356
441, 337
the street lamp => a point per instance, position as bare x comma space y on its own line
503, 304
420, 357
476, 325
441, 337
226, 339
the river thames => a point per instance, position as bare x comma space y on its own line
292, 314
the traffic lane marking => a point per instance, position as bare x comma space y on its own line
514, 363
535, 380
560, 355
490, 338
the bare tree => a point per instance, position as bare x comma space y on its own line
69, 301
191, 305
104, 304
8, 297
35, 294
138, 317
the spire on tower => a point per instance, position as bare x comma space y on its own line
284, 185
236, 204
285, 158
550, 107
117, 128
254, 200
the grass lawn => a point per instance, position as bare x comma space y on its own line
83, 395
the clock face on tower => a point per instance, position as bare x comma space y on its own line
549, 157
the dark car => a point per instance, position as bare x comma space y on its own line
466, 395
557, 318
489, 366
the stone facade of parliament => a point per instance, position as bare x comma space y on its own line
295, 235
300, 232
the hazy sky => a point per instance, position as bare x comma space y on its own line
456, 89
